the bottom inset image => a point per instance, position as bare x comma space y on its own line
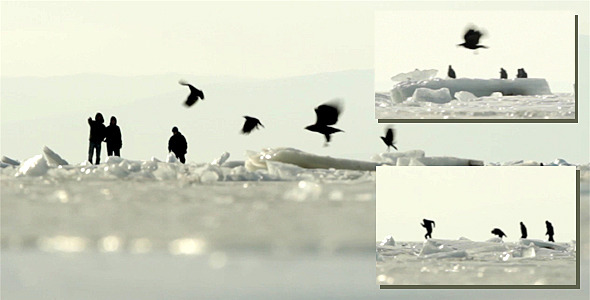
477, 227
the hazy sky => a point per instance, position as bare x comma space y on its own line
542, 43
471, 201
260, 40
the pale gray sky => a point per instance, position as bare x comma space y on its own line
541, 42
279, 44
471, 201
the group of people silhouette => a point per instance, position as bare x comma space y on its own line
112, 136
429, 224
99, 133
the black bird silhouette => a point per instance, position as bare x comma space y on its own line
250, 124
326, 114
503, 74
195, 94
471, 38
389, 139
451, 72
523, 231
521, 73
499, 232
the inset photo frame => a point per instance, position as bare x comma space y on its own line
476, 66
478, 227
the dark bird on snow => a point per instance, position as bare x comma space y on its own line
195, 94
550, 231
523, 232
471, 38
326, 115
499, 232
389, 139
250, 124
521, 73
503, 74
451, 72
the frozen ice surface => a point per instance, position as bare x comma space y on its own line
420, 97
557, 106
477, 87
441, 95
465, 262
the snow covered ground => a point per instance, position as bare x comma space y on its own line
448, 262
151, 229
421, 96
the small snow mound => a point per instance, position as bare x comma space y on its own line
53, 159
221, 159
388, 241
9, 161
155, 159
441, 95
171, 158
464, 239
392, 157
415, 75
560, 162
464, 96
495, 240
113, 160
34, 166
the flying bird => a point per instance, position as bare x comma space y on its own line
195, 94
499, 232
389, 139
471, 38
250, 124
451, 72
326, 115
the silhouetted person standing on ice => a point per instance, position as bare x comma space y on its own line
503, 74
521, 73
177, 144
113, 138
523, 233
97, 133
451, 73
550, 232
428, 224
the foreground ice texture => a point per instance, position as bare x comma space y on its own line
434, 261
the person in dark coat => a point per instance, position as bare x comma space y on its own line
550, 232
113, 138
428, 224
97, 133
177, 144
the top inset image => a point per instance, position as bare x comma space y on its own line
475, 66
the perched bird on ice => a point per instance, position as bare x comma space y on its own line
499, 232
503, 74
521, 73
451, 72
250, 124
523, 232
326, 114
389, 138
195, 94
471, 38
